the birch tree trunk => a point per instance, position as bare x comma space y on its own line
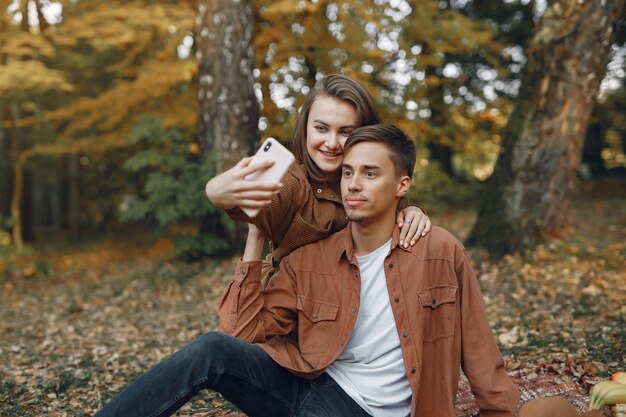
228, 121
528, 196
229, 114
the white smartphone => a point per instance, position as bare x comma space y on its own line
282, 157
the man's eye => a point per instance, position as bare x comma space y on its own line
370, 174
347, 173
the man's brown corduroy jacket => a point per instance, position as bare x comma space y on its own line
436, 302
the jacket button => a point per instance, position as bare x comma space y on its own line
390, 265
434, 301
333, 196
397, 300
319, 190
405, 335
314, 315
412, 371
354, 309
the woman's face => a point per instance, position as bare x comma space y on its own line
330, 122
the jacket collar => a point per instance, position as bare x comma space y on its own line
346, 243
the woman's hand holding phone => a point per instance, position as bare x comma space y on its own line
253, 181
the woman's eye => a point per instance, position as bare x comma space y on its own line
345, 132
320, 128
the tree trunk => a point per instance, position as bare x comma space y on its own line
439, 150
18, 181
229, 117
28, 232
6, 166
73, 196
6, 157
527, 197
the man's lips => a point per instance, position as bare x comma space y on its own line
354, 201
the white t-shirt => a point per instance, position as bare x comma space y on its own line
371, 369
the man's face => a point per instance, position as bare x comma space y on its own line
369, 185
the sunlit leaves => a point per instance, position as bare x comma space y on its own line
28, 79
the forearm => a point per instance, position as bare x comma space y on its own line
248, 312
242, 302
254, 245
495, 393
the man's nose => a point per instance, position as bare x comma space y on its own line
354, 184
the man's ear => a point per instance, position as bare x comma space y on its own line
403, 186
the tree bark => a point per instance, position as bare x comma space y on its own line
528, 196
439, 150
18, 182
73, 216
229, 114
6, 168
229, 117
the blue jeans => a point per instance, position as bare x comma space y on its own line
242, 372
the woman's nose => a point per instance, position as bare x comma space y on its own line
331, 141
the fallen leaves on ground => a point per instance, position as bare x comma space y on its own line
74, 333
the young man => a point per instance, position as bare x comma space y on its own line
374, 328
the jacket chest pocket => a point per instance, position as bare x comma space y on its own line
316, 323
438, 307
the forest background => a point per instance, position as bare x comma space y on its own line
108, 136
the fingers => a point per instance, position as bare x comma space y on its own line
422, 227
407, 233
400, 218
255, 194
426, 227
251, 168
244, 162
413, 229
254, 198
405, 227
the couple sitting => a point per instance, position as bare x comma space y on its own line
352, 325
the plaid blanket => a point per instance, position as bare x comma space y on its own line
532, 385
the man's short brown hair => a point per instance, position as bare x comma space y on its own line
401, 147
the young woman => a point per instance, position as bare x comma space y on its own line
306, 206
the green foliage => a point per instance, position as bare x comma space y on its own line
78, 84
173, 192
437, 192
7, 250
9, 253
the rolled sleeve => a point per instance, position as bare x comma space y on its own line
248, 312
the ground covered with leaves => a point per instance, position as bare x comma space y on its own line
79, 323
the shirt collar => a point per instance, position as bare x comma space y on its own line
347, 243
